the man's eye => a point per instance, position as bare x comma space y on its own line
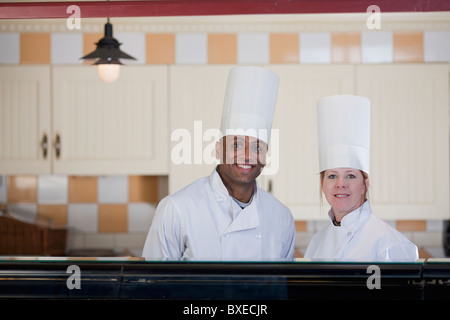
237, 145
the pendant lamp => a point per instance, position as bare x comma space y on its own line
107, 55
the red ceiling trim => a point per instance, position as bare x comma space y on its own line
99, 9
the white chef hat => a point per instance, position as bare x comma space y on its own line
250, 100
343, 124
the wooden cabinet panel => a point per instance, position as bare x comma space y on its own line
111, 128
25, 120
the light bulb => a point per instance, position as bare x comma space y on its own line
109, 72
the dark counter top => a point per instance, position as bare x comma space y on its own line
119, 278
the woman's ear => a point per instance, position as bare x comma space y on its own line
367, 183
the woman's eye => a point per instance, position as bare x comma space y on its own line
351, 176
332, 176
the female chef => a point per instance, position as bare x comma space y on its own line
225, 215
354, 232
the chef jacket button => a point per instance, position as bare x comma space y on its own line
349, 234
227, 235
258, 236
219, 199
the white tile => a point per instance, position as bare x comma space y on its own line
133, 43
10, 47
113, 189
377, 46
26, 212
3, 188
82, 217
191, 48
253, 48
315, 47
99, 241
436, 46
52, 189
435, 225
66, 48
125, 241
140, 216
426, 238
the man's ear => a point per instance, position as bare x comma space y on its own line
219, 150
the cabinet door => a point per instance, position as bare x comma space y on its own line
196, 101
294, 177
110, 128
410, 139
25, 120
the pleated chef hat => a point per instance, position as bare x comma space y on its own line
343, 123
249, 104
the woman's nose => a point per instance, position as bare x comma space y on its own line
340, 183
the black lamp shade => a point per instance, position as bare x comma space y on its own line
107, 50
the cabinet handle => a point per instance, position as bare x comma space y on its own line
44, 145
57, 146
269, 187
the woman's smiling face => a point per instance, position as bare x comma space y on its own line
344, 189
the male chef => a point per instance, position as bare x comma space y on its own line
226, 216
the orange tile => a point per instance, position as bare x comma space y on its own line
160, 48
222, 48
82, 189
89, 41
35, 48
408, 47
346, 47
22, 189
411, 225
57, 213
112, 218
143, 189
284, 48
300, 225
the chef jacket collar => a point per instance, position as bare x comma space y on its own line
356, 216
250, 219
217, 183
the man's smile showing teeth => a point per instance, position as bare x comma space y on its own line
243, 166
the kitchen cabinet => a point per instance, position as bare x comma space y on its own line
196, 102
110, 128
77, 124
25, 120
410, 139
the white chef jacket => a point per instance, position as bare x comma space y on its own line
362, 236
202, 221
